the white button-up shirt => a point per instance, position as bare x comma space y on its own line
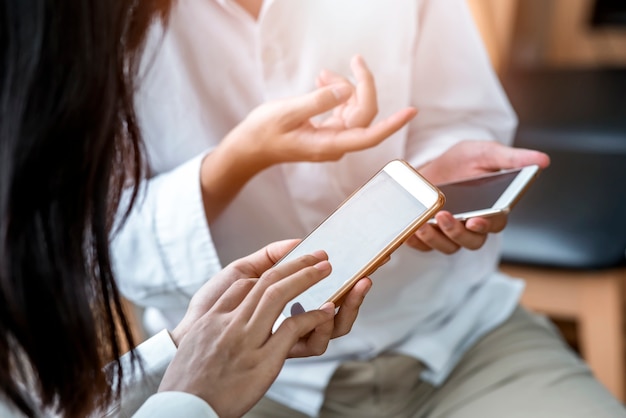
213, 64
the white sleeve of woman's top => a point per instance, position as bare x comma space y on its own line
175, 404
164, 252
156, 353
454, 86
139, 396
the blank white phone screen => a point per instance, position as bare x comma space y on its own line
355, 234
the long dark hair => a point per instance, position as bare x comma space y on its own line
69, 144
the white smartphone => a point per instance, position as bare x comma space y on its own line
363, 231
488, 194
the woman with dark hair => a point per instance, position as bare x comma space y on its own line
443, 332
69, 146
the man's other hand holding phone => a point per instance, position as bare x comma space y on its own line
463, 160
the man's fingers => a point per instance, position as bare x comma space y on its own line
414, 242
333, 143
327, 77
315, 103
497, 156
524, 157
455, 231
356, 139
366, 98
485, 225
436, 239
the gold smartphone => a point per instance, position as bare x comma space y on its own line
364, 230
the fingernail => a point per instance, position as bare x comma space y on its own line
328, 307
320, 255
359, 59
322, 265
342, 91
445, 223
367, 290
479, 228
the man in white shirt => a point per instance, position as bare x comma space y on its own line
431, 332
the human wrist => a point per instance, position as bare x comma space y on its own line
223, 173
178, 333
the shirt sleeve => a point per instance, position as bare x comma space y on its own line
164, 251
175, 404
454, 85
139, 384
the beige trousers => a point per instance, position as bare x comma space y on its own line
522, 369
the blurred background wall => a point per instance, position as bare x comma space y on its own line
553, 33
563, 66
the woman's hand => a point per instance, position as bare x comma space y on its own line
227, 353
463, 160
